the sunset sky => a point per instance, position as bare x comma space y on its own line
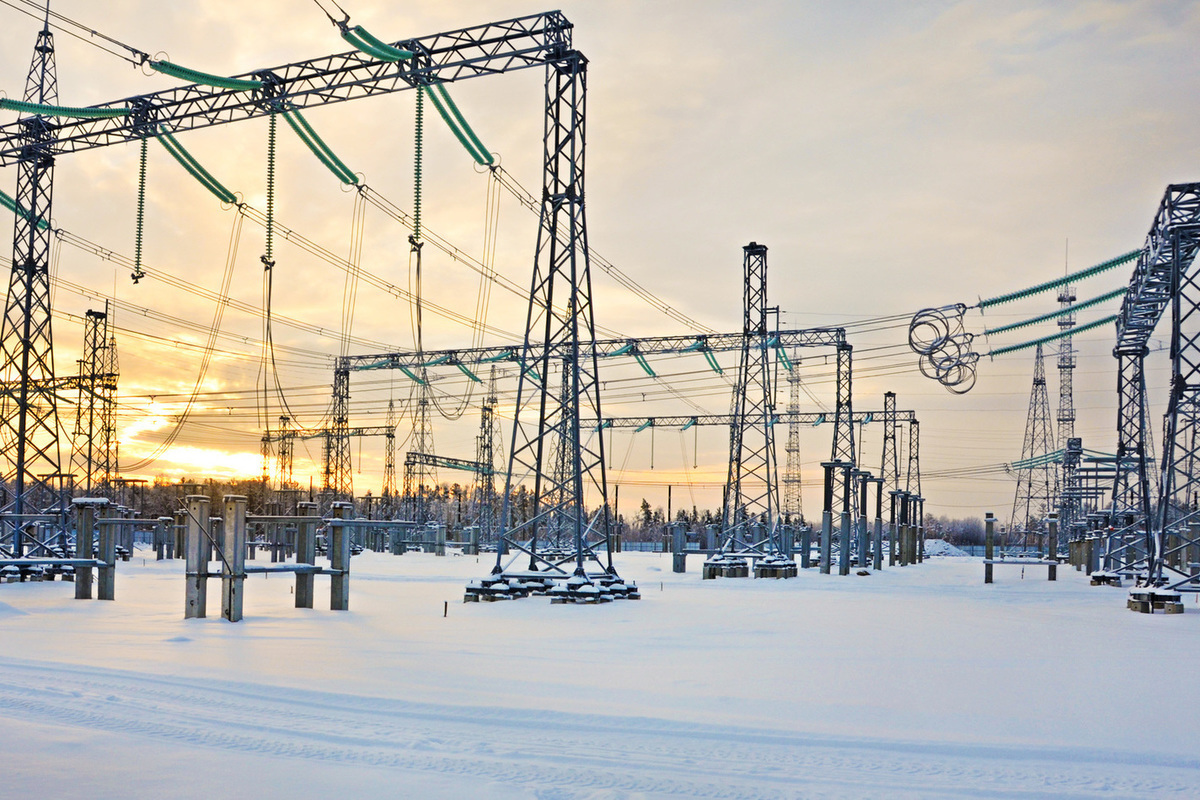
892, 156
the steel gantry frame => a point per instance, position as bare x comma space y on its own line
1163, 277
33, 143
907, 502
556, 359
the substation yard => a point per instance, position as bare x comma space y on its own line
910, 682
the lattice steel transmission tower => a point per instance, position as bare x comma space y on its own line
94, 454
284, 454
912, 477
486, 511
1068, 507
420, 475
1176, 542
29, 431
750, 486
889, 468
1037, 472
560, 345
793, 498
337, 474
388, 493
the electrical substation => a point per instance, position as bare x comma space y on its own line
540, 508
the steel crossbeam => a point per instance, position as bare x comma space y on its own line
602, 348
497, 47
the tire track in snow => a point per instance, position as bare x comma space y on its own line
561, 756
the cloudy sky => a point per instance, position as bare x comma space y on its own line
892, 156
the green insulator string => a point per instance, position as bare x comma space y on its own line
138, 273
269, 258
206, 78
1054, 284
1054, 337
44, 110
418, 147
185, 159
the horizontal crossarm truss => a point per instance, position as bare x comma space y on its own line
783, 417
455, 55
662, 345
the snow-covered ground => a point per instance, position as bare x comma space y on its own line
913, 682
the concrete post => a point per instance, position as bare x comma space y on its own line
107, 573
862, 541
893, 528
339, 558
989, 545
805, 547
787, 541
439, 539
195, 552
877, 534
306, 552
918, 523
164, 538
233, 565
473, 541
678, 547
85, 521
1052, 547
179, 531
827, 518
712, 535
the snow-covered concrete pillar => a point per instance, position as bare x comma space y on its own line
85, 521
196, 548
678, 545
845, 531
989, 545
1052, 547
339, 557
108, 530
827, 518
233, 565
877, 535
306, 552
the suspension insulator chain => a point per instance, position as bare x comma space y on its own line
268, 258
419, 135
138, 273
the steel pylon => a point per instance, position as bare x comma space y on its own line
792, 504
29, 426
750, 485
1068, 504
558, 384
93, 460
1037, 483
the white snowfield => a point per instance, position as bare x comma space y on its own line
914, 682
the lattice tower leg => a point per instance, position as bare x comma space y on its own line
1179, 486
1131, 499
